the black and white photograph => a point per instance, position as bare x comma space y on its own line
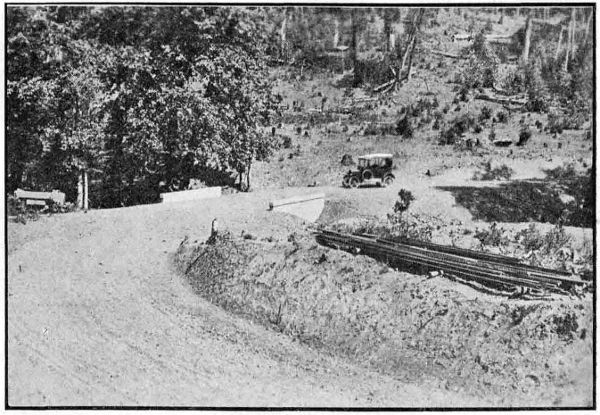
312, 206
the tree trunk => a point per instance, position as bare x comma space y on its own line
410, 55
570, 39
526, 46
587, 28
560, 37
573, 26
354, 47
407, 58
387, 31
282, 32
248, 176
354, 44
336, 33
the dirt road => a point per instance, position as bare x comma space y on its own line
97, 316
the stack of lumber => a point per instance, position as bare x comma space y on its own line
489, 269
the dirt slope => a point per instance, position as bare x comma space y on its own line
98, 317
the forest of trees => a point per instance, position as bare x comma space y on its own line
136, 96
144, 99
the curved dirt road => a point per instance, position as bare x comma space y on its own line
97, 316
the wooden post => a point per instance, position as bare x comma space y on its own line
80, 191
85, 191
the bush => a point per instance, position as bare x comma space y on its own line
287, 142
488, 26
405, 197
559, 122
492, 135
502, 172
533, 240
457, 128
482, 65
524, 135
347, 160
404, 127
485, 114
494, 236
537, 91
501, 116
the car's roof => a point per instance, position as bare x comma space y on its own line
377, 155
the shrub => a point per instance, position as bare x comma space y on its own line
457, 128
502, 172
347, 160
533, 240
485, 114
492, 135
537, 91
404, 127
494, 236
405, 197
524, 135
559, 122
287, 142
371, 129
488, 26
482, 65
501, 116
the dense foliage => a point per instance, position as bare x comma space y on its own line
143, 98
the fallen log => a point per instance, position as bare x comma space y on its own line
384, 85
446, 54
502, 100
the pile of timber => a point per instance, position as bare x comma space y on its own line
497, 271
515, 100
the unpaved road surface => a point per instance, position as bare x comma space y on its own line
97, 316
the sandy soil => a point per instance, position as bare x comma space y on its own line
97, 316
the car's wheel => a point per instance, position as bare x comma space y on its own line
387, 180
354, 182
346, 181
367, 175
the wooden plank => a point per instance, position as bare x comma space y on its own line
295, 200
196, 194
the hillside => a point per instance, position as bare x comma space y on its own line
131, 306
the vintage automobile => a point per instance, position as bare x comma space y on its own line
372, 169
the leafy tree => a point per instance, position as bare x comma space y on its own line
139, 95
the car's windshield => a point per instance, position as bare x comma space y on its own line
363, 163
